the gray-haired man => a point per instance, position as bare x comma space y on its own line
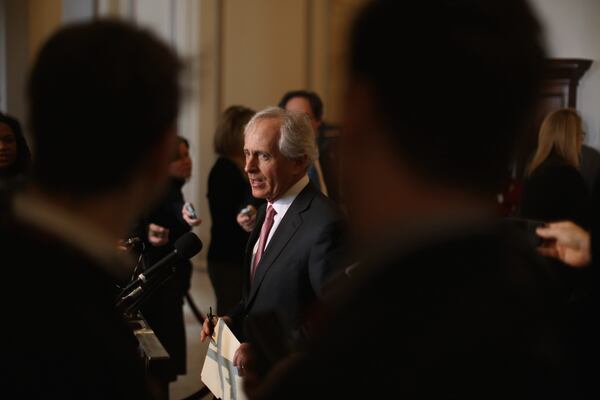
297, 238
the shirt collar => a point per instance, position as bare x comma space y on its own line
282, 204
73, 230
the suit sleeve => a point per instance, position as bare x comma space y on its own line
326, 255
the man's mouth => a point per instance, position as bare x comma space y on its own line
255, 182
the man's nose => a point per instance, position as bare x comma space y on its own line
250, 164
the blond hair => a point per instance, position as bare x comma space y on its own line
562, 133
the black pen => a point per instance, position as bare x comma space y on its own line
210, 317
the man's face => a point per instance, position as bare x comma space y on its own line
270, 173
8, 146
302, 105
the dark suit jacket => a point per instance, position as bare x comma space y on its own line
61, 335
302, 255
465, 317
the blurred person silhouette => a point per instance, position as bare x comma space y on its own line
554, 189
311, 105
228, 193
103, 100
448, 301
15, 157
159, 230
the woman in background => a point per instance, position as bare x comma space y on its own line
15, 157
554, 189
228, 193
160, 230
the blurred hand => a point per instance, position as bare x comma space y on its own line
157, 235
247, 221
567, 242
122, 245
187, 217
128, 244
242, 359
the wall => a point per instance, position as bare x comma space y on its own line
2, 56
264, 50
272, 46
17, 56
44, 16
77, 10
572, 31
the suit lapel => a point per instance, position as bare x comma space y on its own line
285, 231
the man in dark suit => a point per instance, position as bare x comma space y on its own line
103, 102
297, 240
447, 302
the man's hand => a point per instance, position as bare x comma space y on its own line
568, 242
187, 217
157, 235
209, 326
247, 220
242, 359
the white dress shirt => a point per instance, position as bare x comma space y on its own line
281, 206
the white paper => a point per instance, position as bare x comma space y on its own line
218, 372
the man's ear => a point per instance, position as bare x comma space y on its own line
301, 164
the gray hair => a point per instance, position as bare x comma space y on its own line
296, 138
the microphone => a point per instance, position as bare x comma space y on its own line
187, 246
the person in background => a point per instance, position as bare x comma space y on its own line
324, 171
228, 193
160, 230
15, 157
554, 189
103, 99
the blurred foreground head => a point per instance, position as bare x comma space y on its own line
103, 102
439, 93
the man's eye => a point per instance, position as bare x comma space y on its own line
264, 156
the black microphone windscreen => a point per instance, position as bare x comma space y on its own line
188, 245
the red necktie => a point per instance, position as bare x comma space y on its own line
264, 235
